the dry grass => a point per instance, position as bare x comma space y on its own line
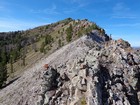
83, 101
31, 55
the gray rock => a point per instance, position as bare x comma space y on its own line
102, 72
80, 86
83, 81
51, 76
48, 96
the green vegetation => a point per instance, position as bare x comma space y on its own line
59, 32
59, 43
80, 33
23, 56
69, 32
3, 74
66, 21
46, 44
42, 48
3, 69
11, 64
83, 101
48, 39
20, 49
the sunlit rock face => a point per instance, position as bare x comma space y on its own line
92, 70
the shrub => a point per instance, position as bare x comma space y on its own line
83, 101
69, 32
42, 47
48, 39
59, 43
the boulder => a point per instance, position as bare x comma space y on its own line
81, 85
130, 59
40, 100
65, 77
48, 96
83, 66
50, 77
83, 73
83, 81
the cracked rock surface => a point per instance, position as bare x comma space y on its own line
85, 72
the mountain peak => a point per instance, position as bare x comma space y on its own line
76, 63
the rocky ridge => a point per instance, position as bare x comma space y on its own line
92, 70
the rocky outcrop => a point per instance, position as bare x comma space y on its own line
104, 76
89, 71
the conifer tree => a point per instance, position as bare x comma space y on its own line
69, 31
3, 74
3, 69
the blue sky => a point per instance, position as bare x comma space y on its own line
121, 18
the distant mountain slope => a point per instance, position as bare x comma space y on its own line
27, 89
76, 64
23, 48
136, 48
87, 71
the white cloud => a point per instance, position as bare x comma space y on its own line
120, 7
121, 11
78, 3
72, 10
127, 25
124, 17
51, 10
7, 24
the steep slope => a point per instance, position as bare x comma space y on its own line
92, 70
27, 88
23, 48
104, 75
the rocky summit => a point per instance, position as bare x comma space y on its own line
93, 70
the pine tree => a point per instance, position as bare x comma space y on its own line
3, 69
48, 39
59, 43
3, 74
11, 64
14, 55
4, 56
42, 47
23, 56
69, 31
